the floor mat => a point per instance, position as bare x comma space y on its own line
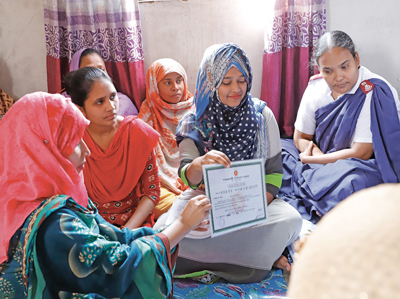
273, 286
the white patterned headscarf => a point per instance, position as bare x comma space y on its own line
217, 61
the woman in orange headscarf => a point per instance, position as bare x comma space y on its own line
167, 100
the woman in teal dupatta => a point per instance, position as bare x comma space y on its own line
54, 244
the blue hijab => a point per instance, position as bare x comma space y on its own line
213, 125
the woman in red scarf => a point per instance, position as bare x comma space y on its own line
167, 100
121, 174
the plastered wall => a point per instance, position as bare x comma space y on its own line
182, 30
374, 27
22, 47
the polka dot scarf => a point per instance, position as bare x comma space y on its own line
232, 130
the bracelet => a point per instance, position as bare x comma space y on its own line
186, 181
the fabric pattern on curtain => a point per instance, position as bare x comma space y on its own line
110, 26
290, 36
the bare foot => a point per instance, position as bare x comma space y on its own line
282, 263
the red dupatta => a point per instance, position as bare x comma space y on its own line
112, 174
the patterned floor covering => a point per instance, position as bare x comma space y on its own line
272, 287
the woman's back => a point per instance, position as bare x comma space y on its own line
54, 243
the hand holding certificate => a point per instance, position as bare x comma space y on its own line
237, 194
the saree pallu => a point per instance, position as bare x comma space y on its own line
64, 250
314, 189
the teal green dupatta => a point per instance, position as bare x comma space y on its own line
138, 259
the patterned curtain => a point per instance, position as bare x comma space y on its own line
110, 26
290, 36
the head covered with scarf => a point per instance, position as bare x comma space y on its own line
39, 133
164, 118
214, 125
126, 106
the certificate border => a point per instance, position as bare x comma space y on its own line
207, 168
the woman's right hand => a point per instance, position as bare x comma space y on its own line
194, 172
214, 157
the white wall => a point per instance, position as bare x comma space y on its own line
22, 47
182, 30
374, 27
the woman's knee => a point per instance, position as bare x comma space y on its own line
290, 220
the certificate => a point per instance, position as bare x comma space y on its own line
237, 194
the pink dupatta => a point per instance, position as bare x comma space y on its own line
38, 133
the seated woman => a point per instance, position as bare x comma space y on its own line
121, 173
224, 104
344, 131
91, 57
53, 242
167, 100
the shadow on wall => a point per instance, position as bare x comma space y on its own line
384, 66
6, 80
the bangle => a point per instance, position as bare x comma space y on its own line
186, 181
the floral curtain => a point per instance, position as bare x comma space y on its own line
290, 36
110, 26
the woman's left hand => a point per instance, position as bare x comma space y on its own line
203, 226
307, 153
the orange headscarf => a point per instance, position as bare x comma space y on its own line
38, 133
164, 118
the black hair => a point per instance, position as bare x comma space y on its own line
79, 83
87, 52
330, 40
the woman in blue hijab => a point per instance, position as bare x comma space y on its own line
227, 125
